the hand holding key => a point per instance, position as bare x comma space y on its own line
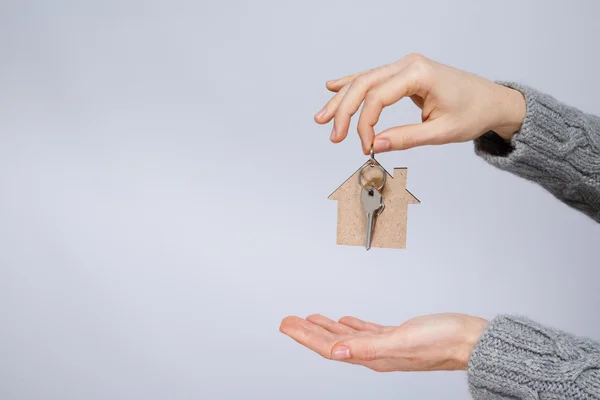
457, 106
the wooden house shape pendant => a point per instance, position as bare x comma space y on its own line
390, 225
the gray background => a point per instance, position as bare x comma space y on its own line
163, 194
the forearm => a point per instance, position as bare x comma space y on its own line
517, 358
557, 146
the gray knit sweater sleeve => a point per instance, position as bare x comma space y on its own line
517, 358
558, 147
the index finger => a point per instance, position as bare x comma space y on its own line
404, 84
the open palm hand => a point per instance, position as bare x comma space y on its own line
427, 343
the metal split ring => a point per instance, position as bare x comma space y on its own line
372, 164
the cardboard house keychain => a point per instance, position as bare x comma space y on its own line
372, 207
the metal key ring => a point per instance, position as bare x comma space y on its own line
371, 164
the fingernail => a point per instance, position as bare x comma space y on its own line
333, 134
381, 145
341, 353
321, 113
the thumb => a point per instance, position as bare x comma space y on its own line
409, 136
363, 348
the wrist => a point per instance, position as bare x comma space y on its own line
474, 328
510, 107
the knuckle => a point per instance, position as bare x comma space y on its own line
407, 142
370, 353
420, 66
412, 57
366, 80
422, 73
361, 81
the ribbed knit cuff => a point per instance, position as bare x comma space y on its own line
517, 358
558, 147
542, 134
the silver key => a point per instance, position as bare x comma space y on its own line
373, 204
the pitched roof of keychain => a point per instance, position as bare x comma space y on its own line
390, 226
